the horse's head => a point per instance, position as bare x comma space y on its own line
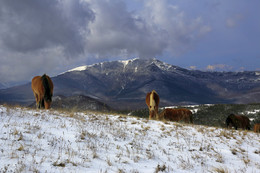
152, 101
228, 121
153, 107
47, 101
231, 120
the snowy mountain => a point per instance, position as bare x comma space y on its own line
54, 141
124, 84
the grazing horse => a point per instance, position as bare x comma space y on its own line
42, 87
238, 121
257, 128
181, 114
152, 100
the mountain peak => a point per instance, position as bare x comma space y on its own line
139, 61
135, 65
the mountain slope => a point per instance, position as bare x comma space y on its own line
124, 84
53, 141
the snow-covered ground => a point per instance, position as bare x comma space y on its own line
57, 141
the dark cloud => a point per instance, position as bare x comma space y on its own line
30, 25
41, 36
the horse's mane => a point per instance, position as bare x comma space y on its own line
47, 89
155, 96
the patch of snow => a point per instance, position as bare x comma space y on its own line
53, 141
81, 68
162, 65
126, 62
252, 119
253, 112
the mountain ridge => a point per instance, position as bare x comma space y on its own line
124, 84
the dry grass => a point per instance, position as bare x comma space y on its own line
219, 170
117, 141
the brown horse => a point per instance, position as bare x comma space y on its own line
181, 114
257, 128
42, 87
238, 121
152, 100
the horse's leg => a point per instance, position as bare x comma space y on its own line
42, 103
40, 100
37, 99
38, 104
186, 120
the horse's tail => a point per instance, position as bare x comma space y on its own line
47, 89
191, 118
249, 125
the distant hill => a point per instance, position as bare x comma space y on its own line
124, 84
79, 103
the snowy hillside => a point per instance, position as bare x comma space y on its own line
55, 141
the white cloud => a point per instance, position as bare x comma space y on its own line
234, 20
193, 67
217, 67
180, 31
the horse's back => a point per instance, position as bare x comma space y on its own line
36, 79
170, 114
245, 122
177, 114
239, 121
37, 84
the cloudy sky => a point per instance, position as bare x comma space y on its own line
52, 36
